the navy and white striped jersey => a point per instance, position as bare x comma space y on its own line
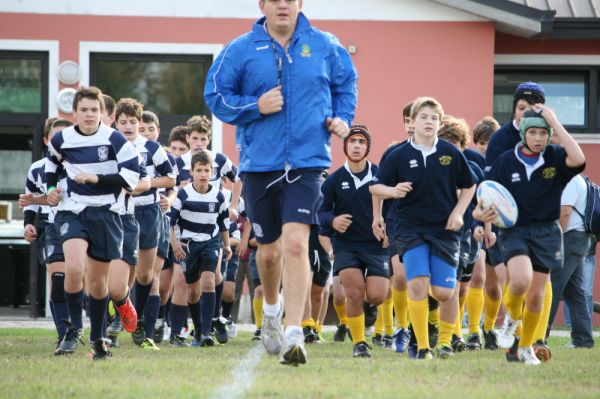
35, 185
222, 166
125, 204
157, 165
199, 216
105, 152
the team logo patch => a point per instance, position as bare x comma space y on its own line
413, 163
212, 207
305, 52
103, 153
64, 229
516, 177
445, 160
257, 229
144, 158
301, 210
345, 185
50, 250
549, 172
386, 266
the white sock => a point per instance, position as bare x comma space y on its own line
271, 310
291, 330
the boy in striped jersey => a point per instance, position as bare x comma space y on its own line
148, 215
99, 162
200, 211
35, 204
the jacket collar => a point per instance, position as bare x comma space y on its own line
259, 29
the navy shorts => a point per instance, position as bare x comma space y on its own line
274, 199
165, 235
494, 254
447, 249
201, 257
169, 260
254, 268
99, 226
465, 249
54, 251
542, 243
320, 266
131, 232
371, 265
229, 268
149, 218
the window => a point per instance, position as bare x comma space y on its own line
572, 92
22, 82
172, 86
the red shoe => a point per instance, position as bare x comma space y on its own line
128, 316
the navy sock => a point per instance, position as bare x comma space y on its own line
97, 316
141, 296
208, 308
61, 313
75, 305
161, 312
195, 314
178, 316
226, 308
218, 296
168, 311
150, 315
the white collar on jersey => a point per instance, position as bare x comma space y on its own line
357, 182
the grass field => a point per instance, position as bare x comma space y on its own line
242, 369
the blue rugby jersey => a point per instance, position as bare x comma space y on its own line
504, 139
435, 174
343, 193
157, 164
199, 216
478, 177
105, 152
537, 189
222, 166
474, 156
35, 184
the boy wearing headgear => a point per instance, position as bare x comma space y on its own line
347, 208
535, 173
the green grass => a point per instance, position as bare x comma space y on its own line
29, 370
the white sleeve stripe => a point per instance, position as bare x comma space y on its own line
215, 84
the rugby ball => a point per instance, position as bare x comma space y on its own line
493, 193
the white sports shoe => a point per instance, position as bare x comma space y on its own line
272, 333
231, 329
527, 356
506, 335
293, 352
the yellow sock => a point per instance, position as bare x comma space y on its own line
519, 330
319, 327
418, 311
474, 308
491, 307
379, 321
460, 316
308, 323
530, 323
514, 305
434, 315
446, 330
400, 298
257, 305
388, 316
357, 328
341, 313
540, 332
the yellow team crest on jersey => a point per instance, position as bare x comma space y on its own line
549, 172
445, 160
305, 52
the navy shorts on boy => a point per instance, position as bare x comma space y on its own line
131, 232
54, 250
542, 243
445, 248
231, 267
149, 218
276, 198
202, 256
99, 226
169, 260
371, 265
320, 265
164, 237
254, 268
465, 248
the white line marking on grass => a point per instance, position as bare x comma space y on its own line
243, 376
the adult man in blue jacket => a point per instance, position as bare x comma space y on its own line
287, 87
